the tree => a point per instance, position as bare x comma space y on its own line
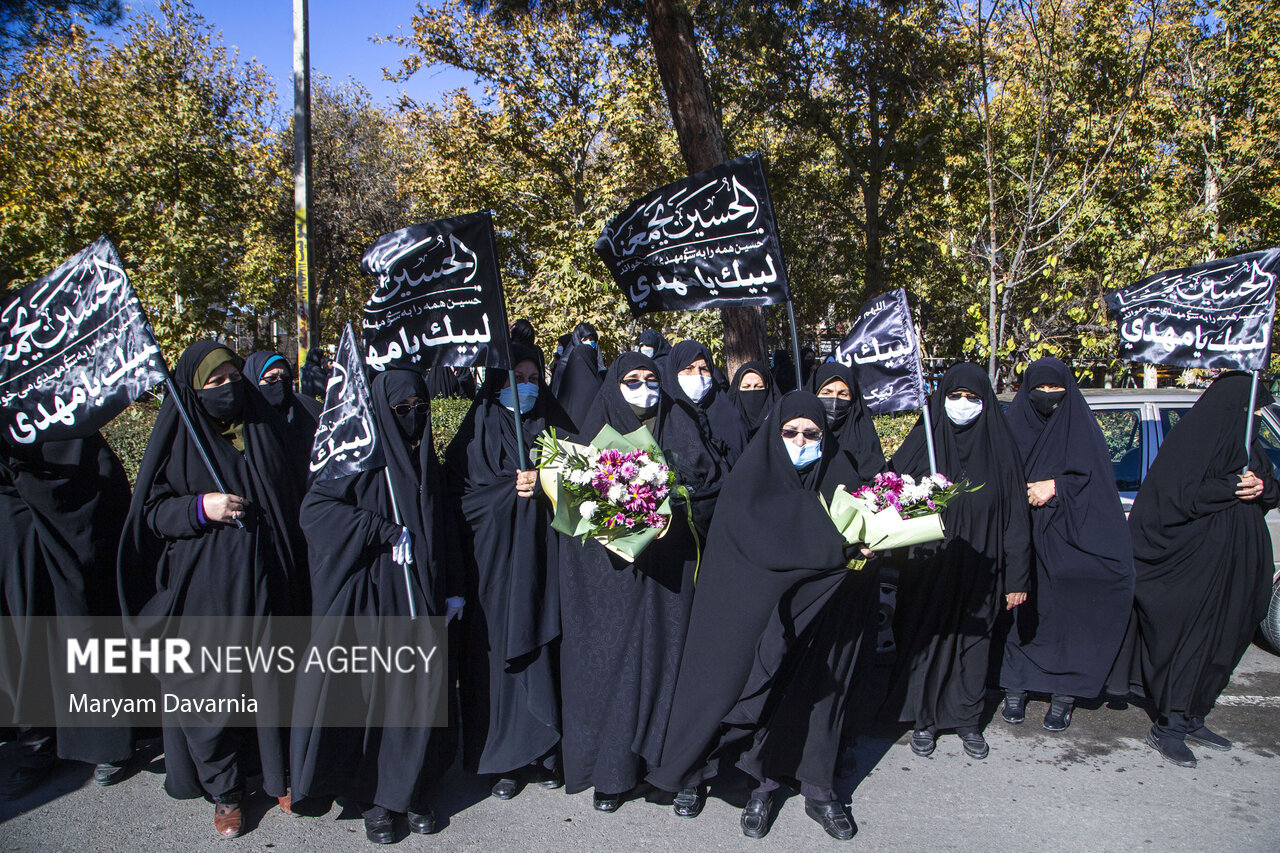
26, 23
162, 142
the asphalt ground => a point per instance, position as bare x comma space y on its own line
1095, 787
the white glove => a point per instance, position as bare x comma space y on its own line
402, 551
453, 608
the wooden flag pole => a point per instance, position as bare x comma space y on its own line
191, 430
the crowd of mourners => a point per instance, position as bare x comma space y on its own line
740, 639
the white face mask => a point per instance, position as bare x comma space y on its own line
962, 412
644, 397
696, 387
648, 351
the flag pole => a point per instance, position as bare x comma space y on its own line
1248, 424
795, 340
395, 513
191, 430
523, 461
928, 438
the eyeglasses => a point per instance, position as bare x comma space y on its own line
964, 395
634, 384
811, 434
403, 409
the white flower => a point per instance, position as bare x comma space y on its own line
939, 481
587, 509
616, 493
652, 473
908, 480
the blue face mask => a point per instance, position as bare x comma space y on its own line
528, 392
592, 344
802, 457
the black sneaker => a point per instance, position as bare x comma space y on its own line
923, 743
975, 745
1211, 739
1015, 708
1174, 749
1058, 717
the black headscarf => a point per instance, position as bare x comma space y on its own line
661, 347
1070, 630
754, 406
301, 412
857, 431
715, 412
577, 379
784, 371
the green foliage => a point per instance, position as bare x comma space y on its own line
893, 429
446, 417
128, 434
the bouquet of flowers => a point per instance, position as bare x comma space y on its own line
617, 490
895, 511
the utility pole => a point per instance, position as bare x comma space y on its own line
307, 326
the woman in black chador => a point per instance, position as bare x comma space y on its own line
696, 385
575, 377
654, 344
270, 372
1203, 560
510, 692
948, 601
623, 624
1065, 640
62, 505
191, 552
777, 628
838, 391
358, 556
754, 393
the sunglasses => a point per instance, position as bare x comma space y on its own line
811, 434
634, 384
403, 409
964, 395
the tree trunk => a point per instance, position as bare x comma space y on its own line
675, 48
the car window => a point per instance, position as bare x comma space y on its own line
1270, 442
1169, 416
1122, 429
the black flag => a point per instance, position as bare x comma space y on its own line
75, 350
707, 241
438, 298
883, 350
346, 440
1213, 315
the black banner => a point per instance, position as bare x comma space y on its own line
883, 350
438, 299
346, 440
75, 350
1213, 315
704, 242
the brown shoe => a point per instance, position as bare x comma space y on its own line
286, 802
228, 820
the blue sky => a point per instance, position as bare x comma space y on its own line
340, 46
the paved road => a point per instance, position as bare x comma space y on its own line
1096, 787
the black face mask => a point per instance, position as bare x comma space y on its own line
1045, 402
223, 402
412, 426
276, 393
753, 401
837, 410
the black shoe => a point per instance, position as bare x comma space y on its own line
1174, 749
606, 802
380, 826
505, 788
550, 780
755, 816
923, 743
1058, 717
1015, 708
832, 817
1211, 739
26, 777
689, 802
975, 745
106, 775
422, 821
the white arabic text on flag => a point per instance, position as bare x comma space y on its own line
884, 352
346, 439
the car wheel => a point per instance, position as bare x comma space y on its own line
888, 606
1271, 625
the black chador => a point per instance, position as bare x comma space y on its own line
1065, 639
575, 377
777, 626
1203, 559
754, 405
714, 411
850, 419
301, 411
624, 623
62, 506
181, 570
357, 585
509, 684
949, 598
